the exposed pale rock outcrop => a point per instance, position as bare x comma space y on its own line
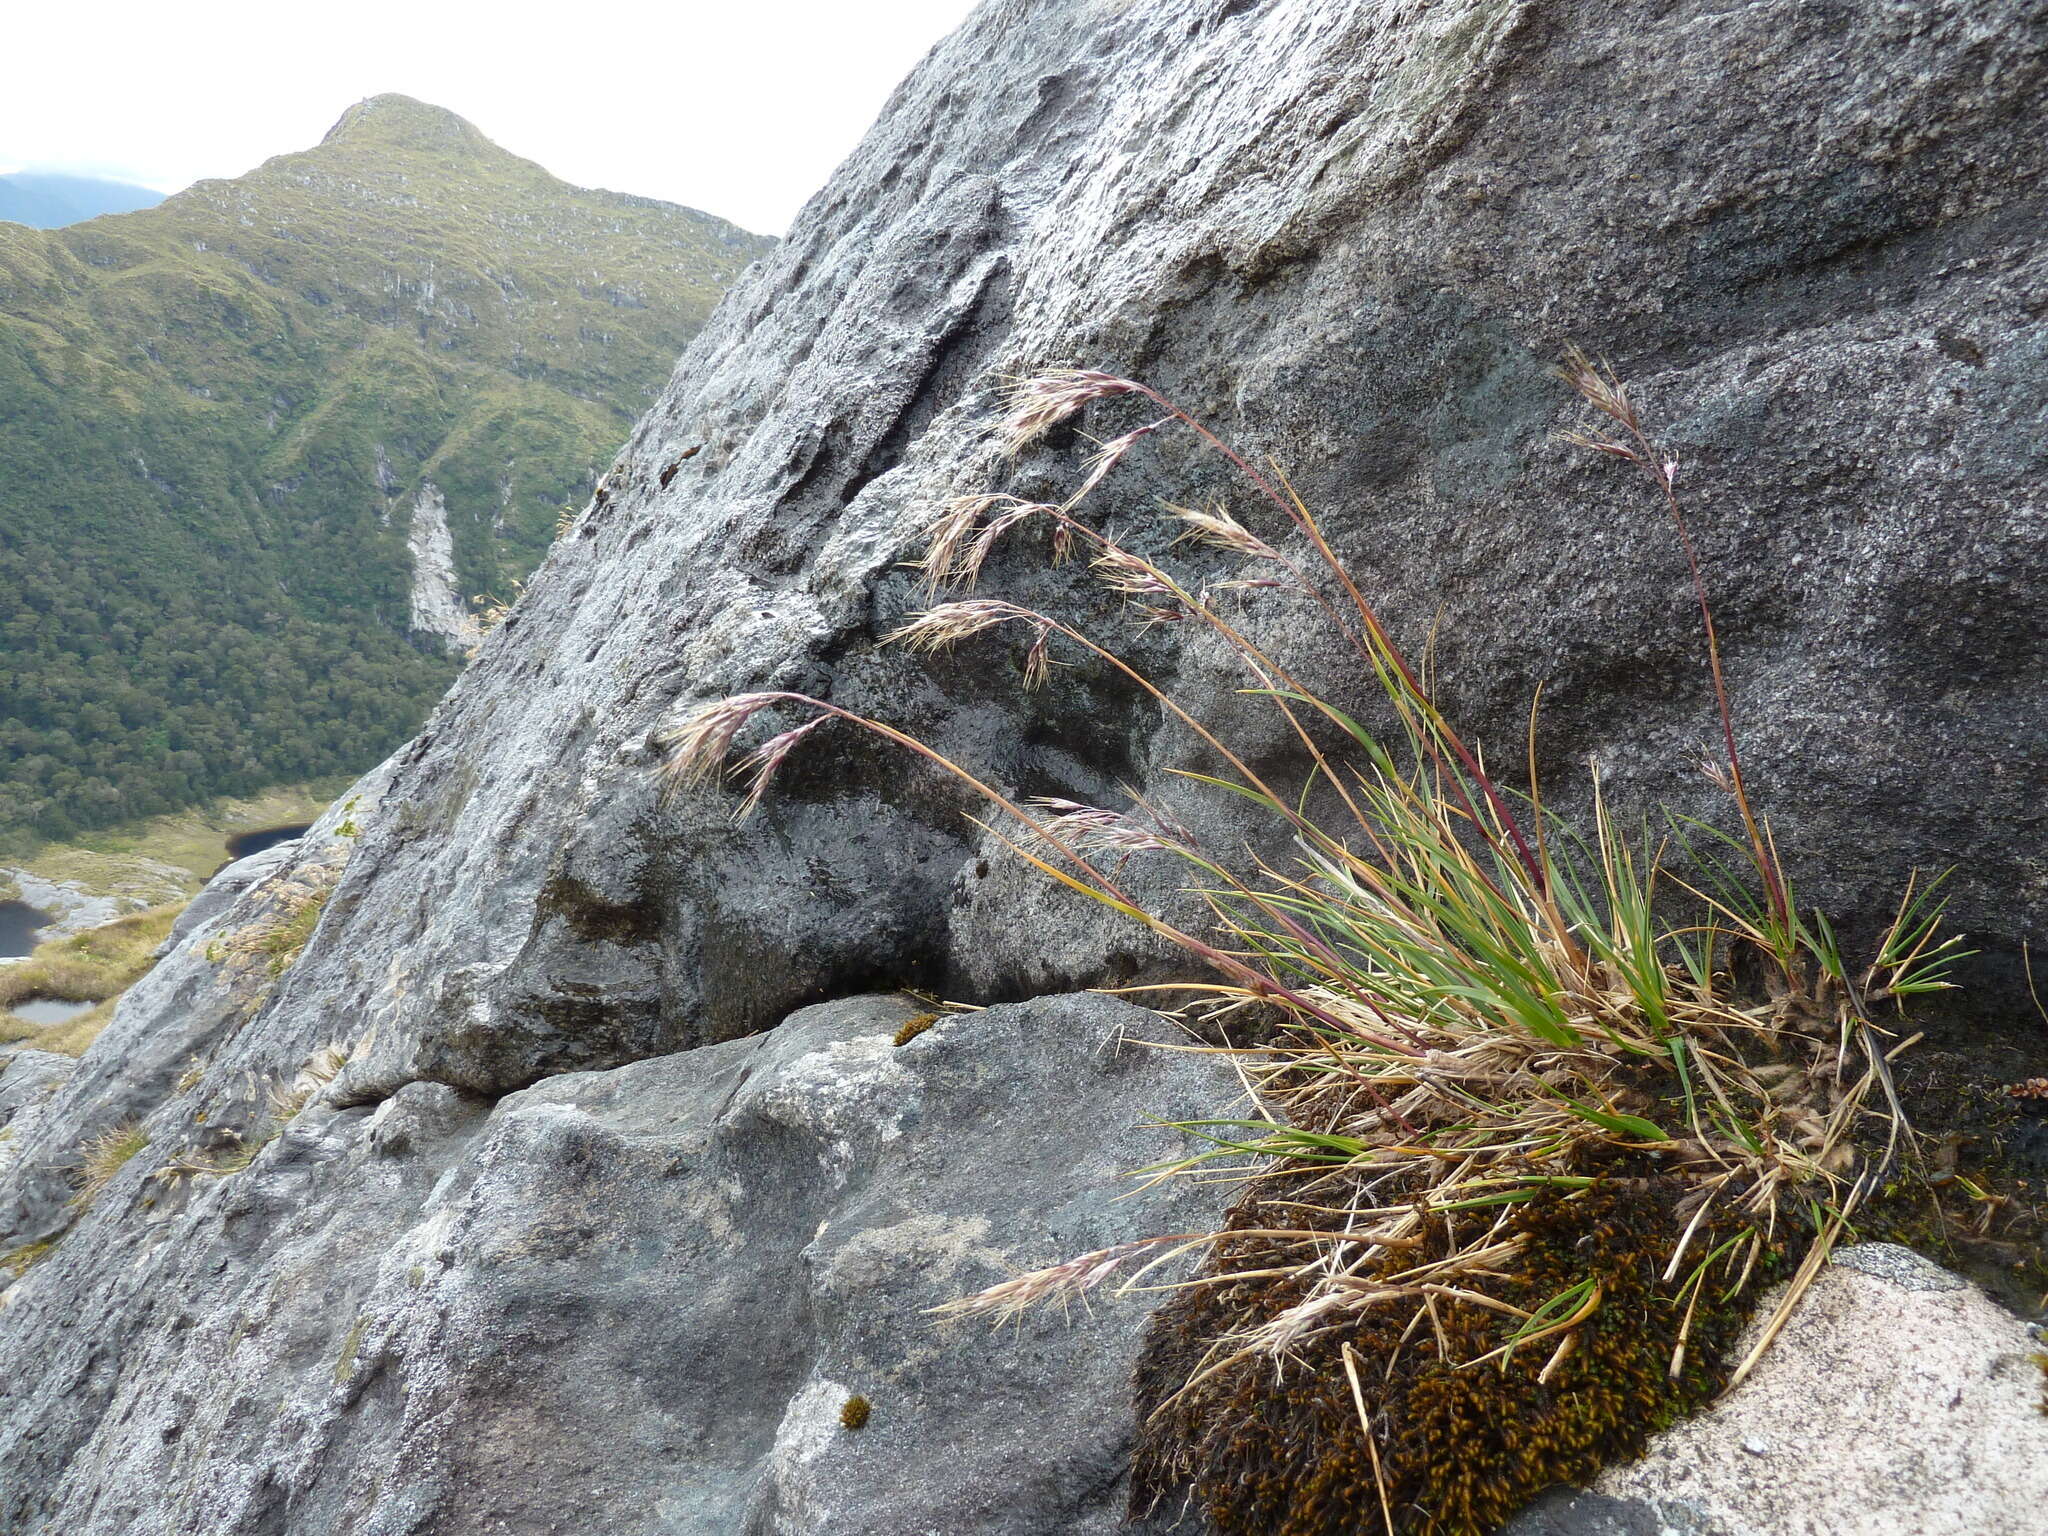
72, 908
1353, 235
437, 608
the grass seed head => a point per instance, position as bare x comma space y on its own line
1218, 529
1037, 660
947, 537
1043, 401
697, 748
1125, 573
948, 624
1065, 1282
1085, 828
1110, 454
1600, 387
760, 766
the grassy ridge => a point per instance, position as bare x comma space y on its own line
215, 415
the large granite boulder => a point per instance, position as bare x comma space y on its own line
635, 1301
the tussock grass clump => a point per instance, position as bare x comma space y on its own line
275, 1103
283, 940
1544, 1101
96, 966
274, 942
285, 1100
17, 1262
101, 1158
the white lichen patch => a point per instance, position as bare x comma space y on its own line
846, 1094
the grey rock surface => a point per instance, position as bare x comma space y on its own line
28, 1082
1579, 1513
1902, 1266
631, 1301
1351, 235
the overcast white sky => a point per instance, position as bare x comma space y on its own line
738, 107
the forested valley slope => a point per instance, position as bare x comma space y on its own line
266, 448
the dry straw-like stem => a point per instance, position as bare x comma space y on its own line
1600, 387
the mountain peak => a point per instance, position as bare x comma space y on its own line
401, 121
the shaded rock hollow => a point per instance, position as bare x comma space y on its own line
1352, 236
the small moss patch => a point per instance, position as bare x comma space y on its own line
1283, 1453
854, 1413
913, 1027
345, 1366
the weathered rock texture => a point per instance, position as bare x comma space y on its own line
436, 606
626, 1301
1353, 236
1899, 1398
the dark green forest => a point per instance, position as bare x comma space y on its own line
123, 695
216, 414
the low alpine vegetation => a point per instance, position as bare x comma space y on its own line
267, 948
103, 1157
273, 1104
1537, 1104
96, 966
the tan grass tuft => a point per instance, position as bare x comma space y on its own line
103, 1157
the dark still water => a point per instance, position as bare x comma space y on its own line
18, 924
242, 844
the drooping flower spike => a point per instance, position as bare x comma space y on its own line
1043, 401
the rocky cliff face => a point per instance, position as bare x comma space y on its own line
569, 1233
